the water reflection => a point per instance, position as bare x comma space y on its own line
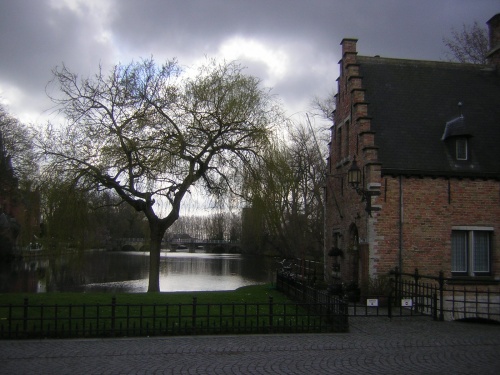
128, 272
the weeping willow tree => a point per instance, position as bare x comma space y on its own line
81, 219
66, 216
149, 133
286, 197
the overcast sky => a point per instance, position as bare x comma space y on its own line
291, 45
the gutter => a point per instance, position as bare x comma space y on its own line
401, 206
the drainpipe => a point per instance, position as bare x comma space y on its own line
401, 205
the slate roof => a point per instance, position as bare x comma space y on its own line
412, 102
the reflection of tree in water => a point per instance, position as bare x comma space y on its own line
121, 272
260, 268
74, 271
63, 271
23, 275
256, 268
9, 231
219, 265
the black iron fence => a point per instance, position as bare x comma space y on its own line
406, 295
412, 294
332, 309
447, 298
116, 319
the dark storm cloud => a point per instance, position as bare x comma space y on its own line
391, 27
34, 38
198, 24
302, 35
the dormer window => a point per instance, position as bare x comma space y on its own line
461, 148
456, 135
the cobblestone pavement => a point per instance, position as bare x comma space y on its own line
373, 346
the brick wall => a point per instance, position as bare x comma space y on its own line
431, 207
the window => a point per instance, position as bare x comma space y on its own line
346, 138
461, 150
470, 251
339, 144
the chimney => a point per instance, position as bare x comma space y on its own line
349, 44
493, 56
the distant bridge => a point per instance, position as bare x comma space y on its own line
184, 245
207, 246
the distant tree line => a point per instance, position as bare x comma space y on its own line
225, 226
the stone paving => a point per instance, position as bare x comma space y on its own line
373, 346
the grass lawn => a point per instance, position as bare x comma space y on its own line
249, 294
245, 310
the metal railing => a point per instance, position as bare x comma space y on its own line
444, 298
329, 307
409, 294
119, 319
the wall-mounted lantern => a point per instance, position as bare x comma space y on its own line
354, 178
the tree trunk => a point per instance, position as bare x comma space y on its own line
154, 258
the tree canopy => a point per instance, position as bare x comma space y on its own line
150, 132
285, 191
470, 45
16, 140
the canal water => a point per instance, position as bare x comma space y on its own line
101, 271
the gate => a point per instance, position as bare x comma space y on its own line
422, 295
410, 294
440, 298
444, 298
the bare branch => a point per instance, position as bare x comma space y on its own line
470, 45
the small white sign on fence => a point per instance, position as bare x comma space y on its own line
406, 302
372, 302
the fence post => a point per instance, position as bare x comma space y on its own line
10, 321
416, 291
25, 315
193, 321
488, 301
271, 314
113, 315
441, 295
389, 305
435, 308
397, 284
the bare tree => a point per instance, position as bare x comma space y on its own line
150, 133
324, 106
470, 45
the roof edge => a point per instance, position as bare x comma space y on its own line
434, 174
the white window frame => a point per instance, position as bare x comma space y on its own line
462, 149
470, 254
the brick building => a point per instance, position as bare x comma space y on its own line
414, 167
